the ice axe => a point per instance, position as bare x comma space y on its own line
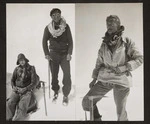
43, 83
49, 78
91, 98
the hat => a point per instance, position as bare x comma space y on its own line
55, 10
21, 56
113, 18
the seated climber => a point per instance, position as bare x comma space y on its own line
24, 80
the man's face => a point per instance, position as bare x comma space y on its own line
56, 16
22, 62
112, 27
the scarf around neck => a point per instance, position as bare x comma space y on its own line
115, 37
107, 38
57, 32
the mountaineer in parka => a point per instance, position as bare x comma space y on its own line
116, 58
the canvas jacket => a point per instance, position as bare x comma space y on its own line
24, 77
126, 57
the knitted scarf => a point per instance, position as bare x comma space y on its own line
113, 36
55, 33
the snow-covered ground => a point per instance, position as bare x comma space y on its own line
74, 111
27, 31
55, 111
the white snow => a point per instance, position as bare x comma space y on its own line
74, 111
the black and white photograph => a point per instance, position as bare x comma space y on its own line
96, 62
31, 36
74, 62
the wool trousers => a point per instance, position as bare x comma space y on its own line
100, 89
17, 106
60, 60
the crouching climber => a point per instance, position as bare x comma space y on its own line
22, 99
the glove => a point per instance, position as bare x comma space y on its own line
115, 70
15, 89
92, 83
68, 57
22, 90
48, 57
119, 69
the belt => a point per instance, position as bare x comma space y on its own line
59, 51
